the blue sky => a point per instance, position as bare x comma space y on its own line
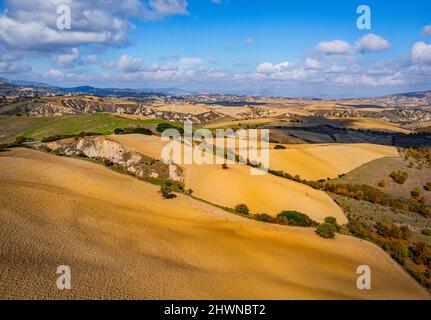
286, 48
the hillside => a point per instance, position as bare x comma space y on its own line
120, 245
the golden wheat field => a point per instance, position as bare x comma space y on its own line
314, 162
229, 187
122, 240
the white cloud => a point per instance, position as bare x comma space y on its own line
268, 67
372, 43
127, 63
249, 41
55, 74
312, 63
67, 59
427, 30
187, 63
334, 47
31, 25
421, 52
14, 67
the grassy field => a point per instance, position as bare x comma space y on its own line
41, 127
379, 170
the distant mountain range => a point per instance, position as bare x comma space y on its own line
17, 87
90, 90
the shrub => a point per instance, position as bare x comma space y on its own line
326, 230
242, 209
279, 147
164, 126
295, 218
331, 220
427, 187
119, 131
224, 166
426, 231
167, 193
140, 130
415, 193
20, 140
263, 217
399, 176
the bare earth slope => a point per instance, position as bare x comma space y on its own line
314, 162
262, 194
122, 240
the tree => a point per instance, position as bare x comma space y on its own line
242, 209
326, 230
167, 193
415, 193
119, 131
263, 217
295, 218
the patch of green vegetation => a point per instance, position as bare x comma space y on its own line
138, 130
263, 217
166, 125
167, 193
242, 209
399, 177
101, 123
426, 232
326, 230
416, 193
295, 218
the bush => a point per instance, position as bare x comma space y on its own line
167, 193
242, 209
326, 230
427, 187
119, 131
399, 176
164, 126
331, 220
415, 193
279, 147
263, 217
140, 130
426, 231
295, 218
224, 166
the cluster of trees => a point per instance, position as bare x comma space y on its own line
420, 154
168, 188
328, 229
373, 195
395, 240
137, 130
165, 125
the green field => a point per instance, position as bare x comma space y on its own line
42, 127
